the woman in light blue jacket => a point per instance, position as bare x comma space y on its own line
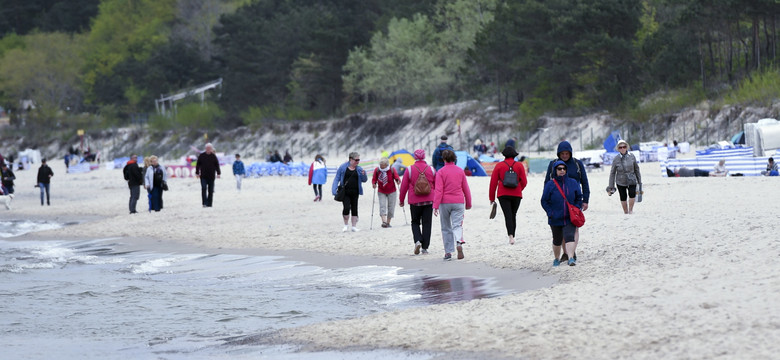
154, 179
351, 177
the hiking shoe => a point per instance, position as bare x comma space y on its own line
572, 262
425, 251
564, 257
417, 247
556, 262
354, 229
460, 252
447, 257
345, 229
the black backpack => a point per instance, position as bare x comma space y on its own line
510, 177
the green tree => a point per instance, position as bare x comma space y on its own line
45, 70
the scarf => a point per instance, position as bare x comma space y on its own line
383, 175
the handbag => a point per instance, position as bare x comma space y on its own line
493, 210
576, 216
340, 191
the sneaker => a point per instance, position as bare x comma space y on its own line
354, 229
316, 198
417, 247
556, 262
460, 252
564, 257
345, 229
575, 256
572, 262
425, 251
384, 224
447, 257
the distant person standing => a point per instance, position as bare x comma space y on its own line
318, 175
44, 178
154, 179
287, 157
238, 171
135, 178
451, 191
350, 177
438, 163
207, 170
8, 178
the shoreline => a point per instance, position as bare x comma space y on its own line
678, 279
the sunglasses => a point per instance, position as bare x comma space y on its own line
560, 168
621, 147
358, 160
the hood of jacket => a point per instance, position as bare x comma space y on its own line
564, 146
555, 172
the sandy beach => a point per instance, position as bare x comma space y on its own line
691, 275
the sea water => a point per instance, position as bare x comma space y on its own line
94, 300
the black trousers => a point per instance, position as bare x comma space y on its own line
422, 217
509, 206
350, 203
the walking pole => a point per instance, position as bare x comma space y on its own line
404, 209
373, 201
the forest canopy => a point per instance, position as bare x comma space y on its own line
294, 59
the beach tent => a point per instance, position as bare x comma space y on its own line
406, 157
738, 139
610, 143
466, 161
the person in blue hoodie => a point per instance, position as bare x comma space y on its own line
351, 177
557, 211
238, 171
576, 172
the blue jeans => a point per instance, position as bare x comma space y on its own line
207, 191
44, 187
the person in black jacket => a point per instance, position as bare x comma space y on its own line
134, 178
44, 177
8, 178
206, 169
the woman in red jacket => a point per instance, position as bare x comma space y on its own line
385, 180
509, 197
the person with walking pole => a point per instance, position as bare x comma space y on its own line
373, 201
384, 182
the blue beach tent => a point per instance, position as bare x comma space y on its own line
466, 161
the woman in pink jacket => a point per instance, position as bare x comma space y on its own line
450, 193
420, 205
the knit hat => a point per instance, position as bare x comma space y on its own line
419, 154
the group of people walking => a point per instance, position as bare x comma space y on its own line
442, 190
